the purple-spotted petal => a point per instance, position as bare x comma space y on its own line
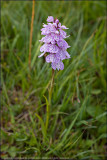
50, 28
43, 47
59, 25
63, 27
53, 65
61, 55
57, 37
48, 39
62, 33
61, 65
67, 55
52, 48
44, 25
50, 19
62, 44
50, 58
56, 21
54, 24
58, 66
49, 48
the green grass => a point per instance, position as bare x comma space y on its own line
77, 120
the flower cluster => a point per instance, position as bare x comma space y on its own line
54, 43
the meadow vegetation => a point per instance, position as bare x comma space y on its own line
77, 123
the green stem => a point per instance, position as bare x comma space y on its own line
51, 87
50, 96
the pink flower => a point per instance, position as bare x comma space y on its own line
54, 43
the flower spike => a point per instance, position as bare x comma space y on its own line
54, 43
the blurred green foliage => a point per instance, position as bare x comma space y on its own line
77, 127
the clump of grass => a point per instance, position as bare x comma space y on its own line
77, 116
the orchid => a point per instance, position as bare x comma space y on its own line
54, 46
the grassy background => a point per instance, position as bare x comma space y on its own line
77, 121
